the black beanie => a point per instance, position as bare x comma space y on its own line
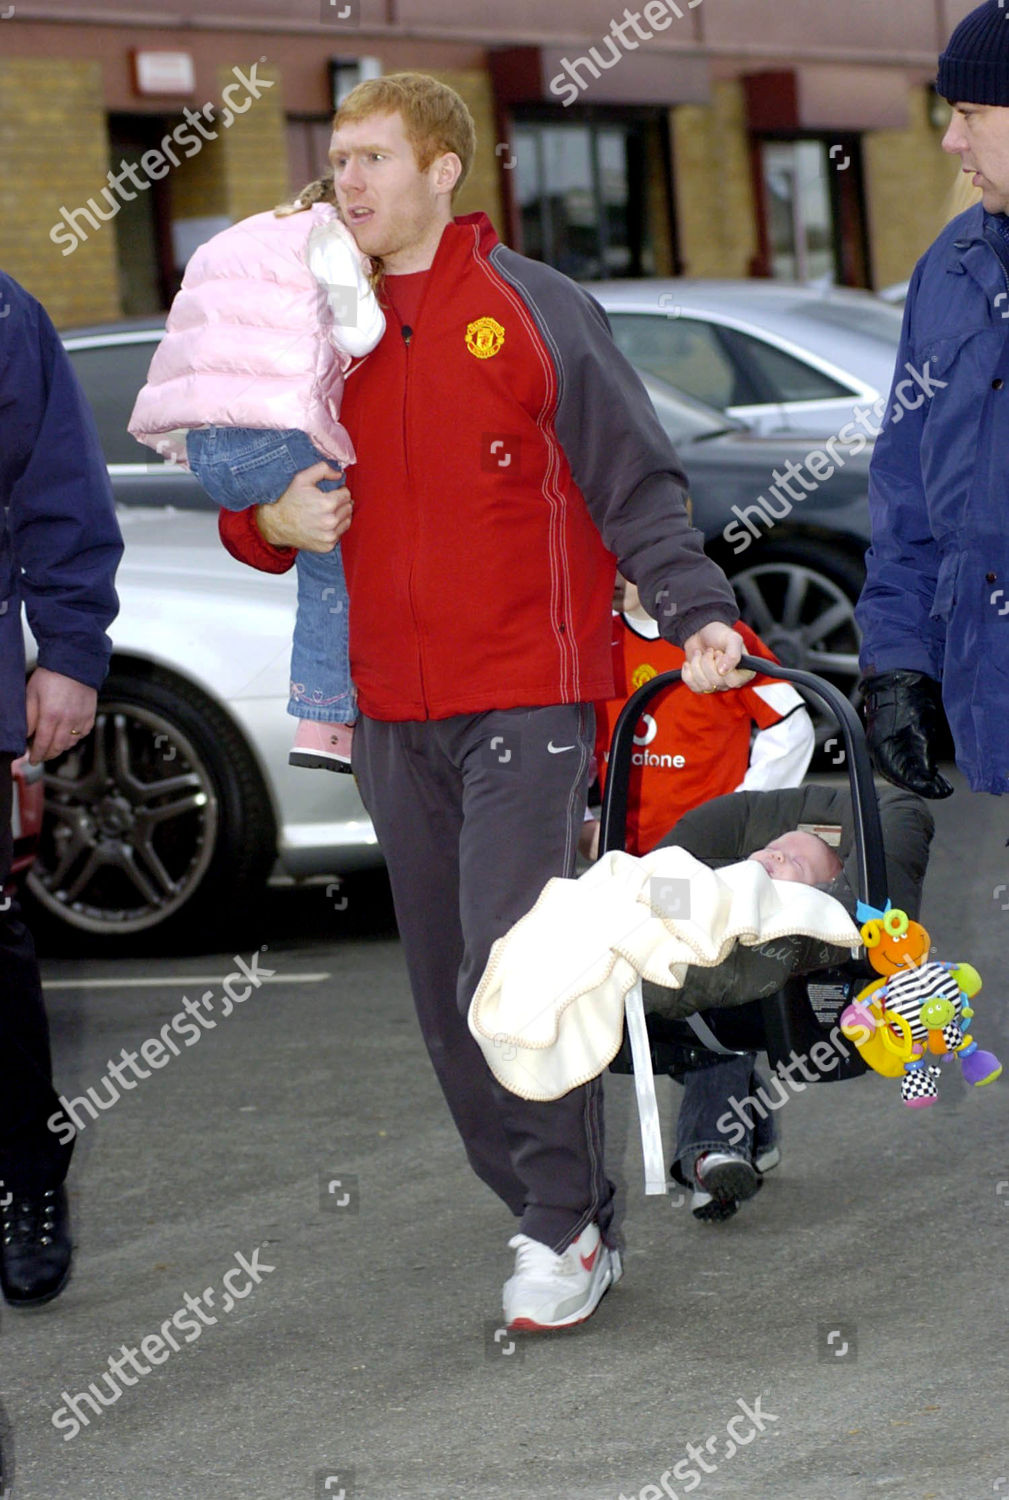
974, 69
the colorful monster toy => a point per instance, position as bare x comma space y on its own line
914, 1010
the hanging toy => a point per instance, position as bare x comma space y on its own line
904, 1023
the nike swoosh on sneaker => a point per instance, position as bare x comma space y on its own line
553, 749
588, 1261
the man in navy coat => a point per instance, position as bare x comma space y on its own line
59, 549
935, 608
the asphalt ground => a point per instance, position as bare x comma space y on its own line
843, 1338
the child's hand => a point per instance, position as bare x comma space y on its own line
712, 655
306, 517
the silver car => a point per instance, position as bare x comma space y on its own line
779, 357
181, 804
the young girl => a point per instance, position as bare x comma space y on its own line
245, 390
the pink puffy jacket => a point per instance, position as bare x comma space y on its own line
250, 340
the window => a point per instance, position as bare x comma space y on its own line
582, 195
799, 221
720, 366
112, 375
813, 216
788, 378
685, 352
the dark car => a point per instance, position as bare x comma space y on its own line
794, 550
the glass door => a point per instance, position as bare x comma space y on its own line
582, 196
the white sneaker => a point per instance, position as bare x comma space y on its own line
554, 1291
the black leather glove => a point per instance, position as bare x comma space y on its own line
903, 714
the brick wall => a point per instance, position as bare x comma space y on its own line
912, 188
715, 210
252, 151
53, 155
482, 188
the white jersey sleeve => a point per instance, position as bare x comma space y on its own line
780, 755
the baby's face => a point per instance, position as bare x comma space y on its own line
798, 856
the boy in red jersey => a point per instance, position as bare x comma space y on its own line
691, 748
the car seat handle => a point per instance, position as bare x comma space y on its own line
870, 861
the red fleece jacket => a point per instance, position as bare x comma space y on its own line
507, 453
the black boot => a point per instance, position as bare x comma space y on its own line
36, 1247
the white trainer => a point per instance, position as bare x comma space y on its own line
549, 1290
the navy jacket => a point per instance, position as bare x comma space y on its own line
59, 541
936, 597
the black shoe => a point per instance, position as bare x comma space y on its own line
724, 1180
36, 1248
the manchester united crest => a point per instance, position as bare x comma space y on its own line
642, 674
484, 338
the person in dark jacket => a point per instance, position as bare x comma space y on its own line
935, 608
507, 457
59, 550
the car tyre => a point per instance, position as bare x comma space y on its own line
158, 826
799, 596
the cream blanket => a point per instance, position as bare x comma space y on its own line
548, 1012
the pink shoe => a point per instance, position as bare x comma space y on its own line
323, 747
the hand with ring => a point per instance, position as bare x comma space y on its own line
59, 710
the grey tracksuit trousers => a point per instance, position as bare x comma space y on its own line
474, 814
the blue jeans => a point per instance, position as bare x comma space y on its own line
242, 466
707, 1120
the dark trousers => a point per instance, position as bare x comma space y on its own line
709, 1122
31, 1156
474, 815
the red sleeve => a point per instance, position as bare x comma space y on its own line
763, 713
244, 540
754, 645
